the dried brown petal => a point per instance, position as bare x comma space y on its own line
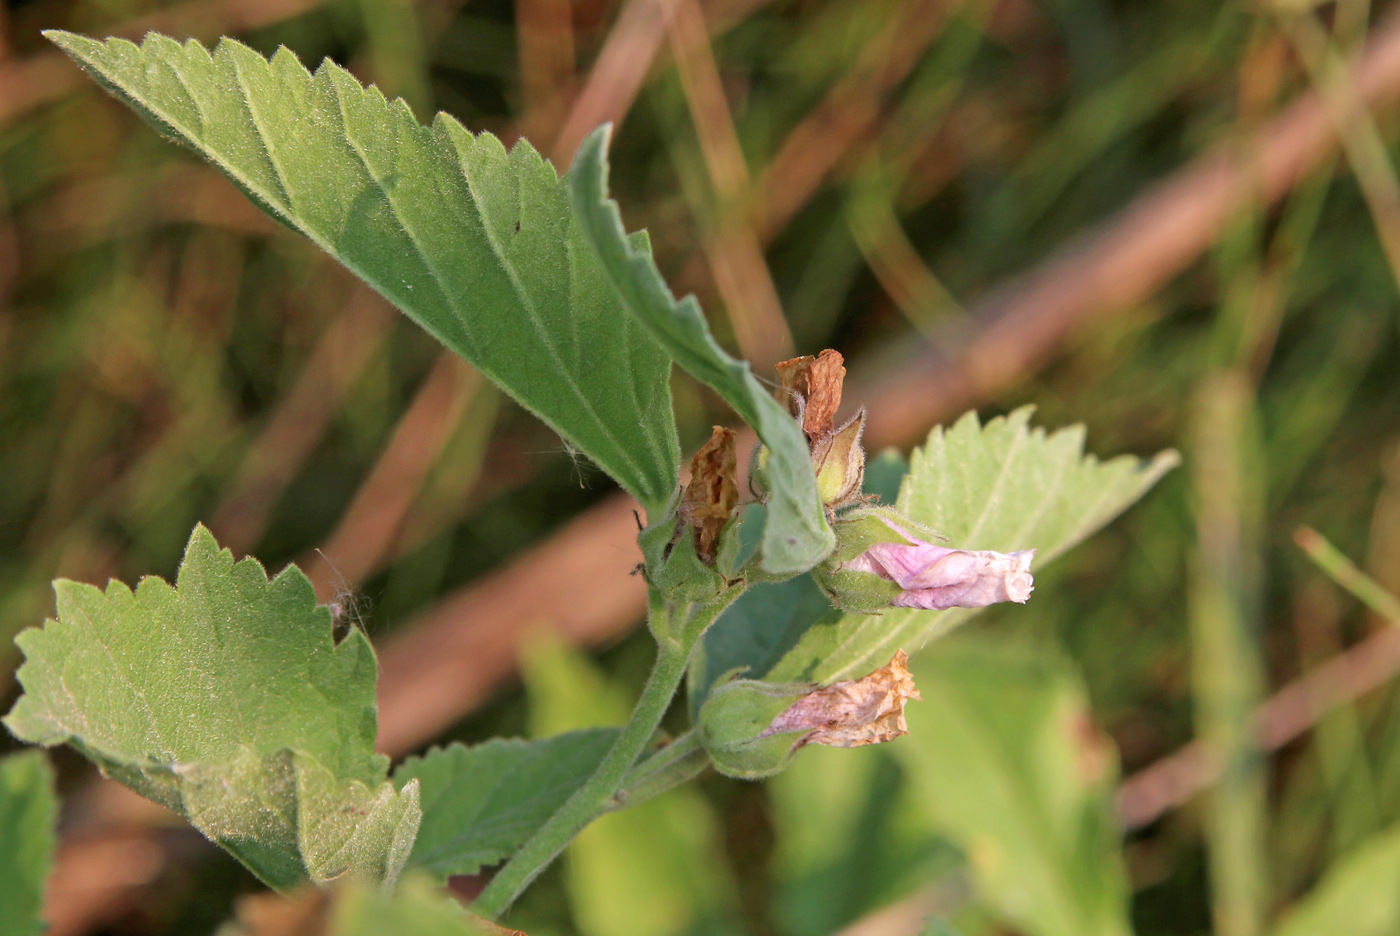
823, 397
811, 386
713, 492
862, 711
792, 377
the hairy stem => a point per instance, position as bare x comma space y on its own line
677, 626
682, 760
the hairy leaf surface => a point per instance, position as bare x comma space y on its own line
1007, 763
474, 243
226, 699
797, 535
28, 811
481, 803
1002, 486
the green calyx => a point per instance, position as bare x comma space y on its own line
856, 531
734, 726
674, 567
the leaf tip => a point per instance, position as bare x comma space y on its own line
202, 541
74, 45
1164, 461
591, 160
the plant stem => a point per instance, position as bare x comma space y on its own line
1344, 572
682, 760
680, 626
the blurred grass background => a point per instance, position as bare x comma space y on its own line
857, 174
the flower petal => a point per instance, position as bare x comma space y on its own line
935, 577
856, 712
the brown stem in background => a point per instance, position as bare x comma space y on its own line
846, 114
1123, 262
731, 245
96, 878
369, 527
48, 76
622, 67
301, 420
1286, 715
545, 37
617, 75
578, 583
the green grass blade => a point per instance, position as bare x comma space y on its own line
797, 536
1227, 665
28, 811
1344, 572
474, 243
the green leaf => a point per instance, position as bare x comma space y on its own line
753, 633
475, 244
1004, 487
227, 700
481, 803
797, 535
414, 908
1360, 895
884, 474
849, 837
28, 811
1007, 764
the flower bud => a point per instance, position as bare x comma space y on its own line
853, 589
752, 728
734, 726
934, 577
674, 566
839, 461
811, 388
758, 473
915, 573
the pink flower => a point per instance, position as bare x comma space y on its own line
933, 577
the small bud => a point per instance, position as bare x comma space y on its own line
713, 492
758, 473
934, 577
839, 461
856, 712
